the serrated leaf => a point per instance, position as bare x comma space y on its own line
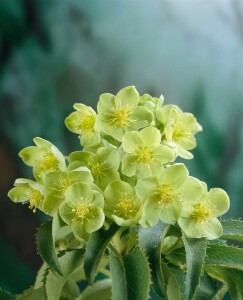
130, 276
46, 248
96, 246
225, 256
231, 277
6, 295
195, 254
33, 295
101, 290
149, 243
232, 229
70, 263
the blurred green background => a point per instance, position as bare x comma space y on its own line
54, 53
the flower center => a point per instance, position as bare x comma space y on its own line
144, 155
125, 207
166, 195
48, 162
86, 124
200, 212
180, 132
35, 199
81, 211
96, 169
120, 117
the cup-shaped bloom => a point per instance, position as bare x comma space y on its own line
82, 209
178, 129
144, 155
28, 191
152, 103
122, 204
103, 165
121, 113
44, 158
57, 183
199, 217
165, 194
82, 122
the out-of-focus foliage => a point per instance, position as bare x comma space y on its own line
55, 53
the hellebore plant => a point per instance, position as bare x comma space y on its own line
126, 221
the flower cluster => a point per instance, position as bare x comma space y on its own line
126, 171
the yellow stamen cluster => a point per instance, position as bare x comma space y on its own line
180, 131
200, 212
81, 211
166, 195
48, 162
125, 206
120, 117
35, 199
86, 124
144, 155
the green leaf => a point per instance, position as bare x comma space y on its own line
195, 254
231, 277
96, 246
46, 248
180, 277
101, 290
33, 295
130, 276
232, 229
224, 256
71, 263
6, 295
150, 242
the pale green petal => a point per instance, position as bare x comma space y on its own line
146, 187
183, 153
171, 214
106, 102
150, 137
168, 132
90, 140
187, 143
95, 220
110, 156
84, 157
212, 229
73, 120
191, 228
174, 175
167, 113
150, 214
84, 108
106, 177
80, 176
78, 192
141, 117
66, 213
52, 202
163, 154
131, 141
121, 222
190, 122
79, 231
98, 199
129, 165
23, 181
144, 170
42, 143
19, 194
218, 202
191, 190
30, 154
127, 97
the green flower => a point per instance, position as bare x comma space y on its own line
199, 217
44, 158
121, 203
178, 129
82, 122
121, 113
152, 103
57, 183
83, 210
145, 156
164, 195
26, 190
103, 165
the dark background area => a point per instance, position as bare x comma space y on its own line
55, 53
